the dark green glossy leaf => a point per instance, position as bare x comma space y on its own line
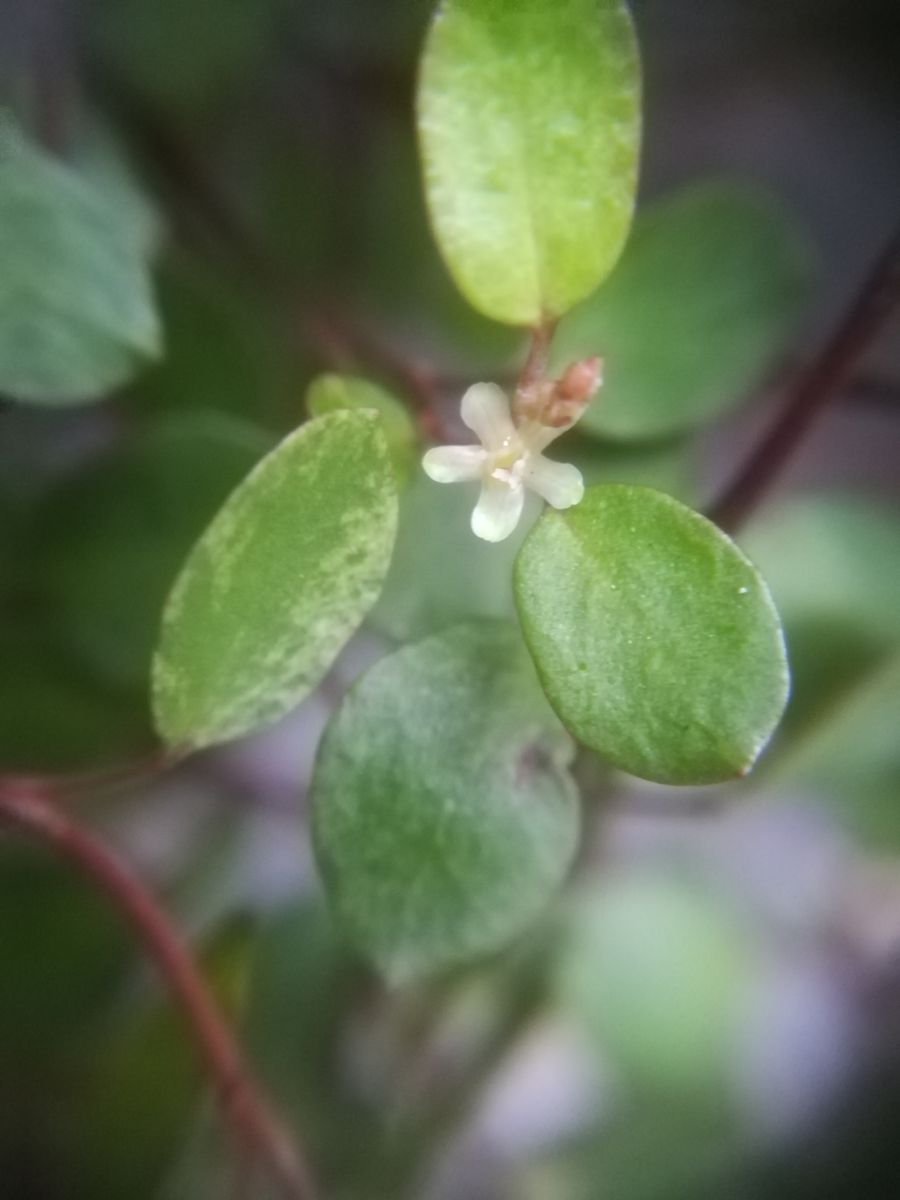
656, 640
708, 291
278, 583
529, 119
444, 816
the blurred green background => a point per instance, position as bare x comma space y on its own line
711, 1009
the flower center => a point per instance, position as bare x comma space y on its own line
509, 453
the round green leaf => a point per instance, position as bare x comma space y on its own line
331, 393
77, 316
656, 640
444, 816
278, 583
529, 120
708, 290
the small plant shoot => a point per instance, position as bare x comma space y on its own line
458, 742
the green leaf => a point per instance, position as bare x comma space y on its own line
109, 540
278, 582
656, 640
77, 317
833, 565
184, 56
444, 816
654, 970
529, 120
708, 291
850, 759
331, 393
223, 351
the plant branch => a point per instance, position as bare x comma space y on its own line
254, 1123
813, 390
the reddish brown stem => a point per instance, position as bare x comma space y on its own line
813, 390
257, 1128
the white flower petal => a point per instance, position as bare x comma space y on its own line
485, 409
537, 437
498, 510
560, 484
454, 464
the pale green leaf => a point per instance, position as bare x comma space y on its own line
330, 393
655, 970
529, 121
77, 317
707, 293
656, 640
278, 583
444, 816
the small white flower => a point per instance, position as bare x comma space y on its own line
509, 459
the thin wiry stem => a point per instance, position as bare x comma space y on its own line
813, 390
257, 1128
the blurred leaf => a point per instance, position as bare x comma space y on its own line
851, 758
668, 466
185, 55
444, 815
529, 117
655, 972
145, 1081
654, 1150
440, 574
708, 291
835, 556
65, 953
76, 311
331, 393
278, 582
833, 564
109, 541
222, 351
101, 159
656, 640
53, 716
303, 988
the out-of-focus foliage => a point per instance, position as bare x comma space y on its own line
109, 540
708, 291
235, 189
77, 316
